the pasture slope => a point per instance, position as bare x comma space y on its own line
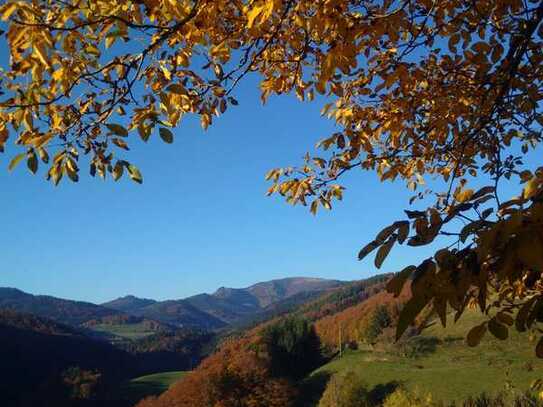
453, 371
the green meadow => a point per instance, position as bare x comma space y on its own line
125, 331
453, 371
149, 385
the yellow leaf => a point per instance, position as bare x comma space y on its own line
43, 155
144, 132
71, 166
7, 10
71, 170
4, 135
15, 161
120, 143
253, 14
531, 188
314, 207
117, 171
464, 195
91, 49
205, 120
110, 39
135, 174
40, 52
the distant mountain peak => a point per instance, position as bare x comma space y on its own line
270, 292
226, 292
128, 303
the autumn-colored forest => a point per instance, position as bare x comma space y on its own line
443, 98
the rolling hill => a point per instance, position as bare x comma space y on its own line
68, 312
128, 303
181, 314
107, 323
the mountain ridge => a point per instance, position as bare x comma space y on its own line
228, 305
220, 309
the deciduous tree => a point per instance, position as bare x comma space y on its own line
420, 90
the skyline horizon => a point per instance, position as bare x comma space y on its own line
201, 218
209, 292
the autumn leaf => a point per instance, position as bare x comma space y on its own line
449, 108
367, 249
383, 251
135, 174
410, 311
117, 129
395, 285
120, 143
7, 10
117, 171
16, 160
464, 195
497, 329
32, 162
476, 334
166, 135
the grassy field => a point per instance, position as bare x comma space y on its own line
125, 331
150, 385
454, 371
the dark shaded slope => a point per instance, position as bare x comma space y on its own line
180, 313
128, 303
34, 353
61, 310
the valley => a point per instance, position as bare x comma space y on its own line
138, 357
132, 317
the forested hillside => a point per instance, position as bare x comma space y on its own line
61, 310
39, 356
45, 362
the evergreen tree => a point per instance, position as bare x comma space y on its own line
293, 347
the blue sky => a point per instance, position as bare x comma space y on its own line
201, 219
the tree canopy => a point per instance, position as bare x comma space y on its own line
420, 90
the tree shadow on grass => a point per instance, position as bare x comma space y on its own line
380, 392
311, 389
